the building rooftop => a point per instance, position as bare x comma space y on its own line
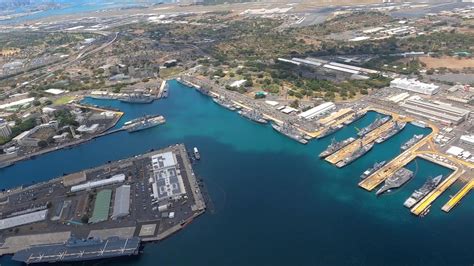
101, 206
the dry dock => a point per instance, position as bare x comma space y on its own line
460, 195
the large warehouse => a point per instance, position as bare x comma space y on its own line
414, 85
121, 202
167, 182
318, 110
437, 111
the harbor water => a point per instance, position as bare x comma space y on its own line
275, 201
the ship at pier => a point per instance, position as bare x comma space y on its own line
329, 131
137, 96
411, 142
253, 115
77, 250
225, 103
372, 170
427, 187
398, 179
335, 146
361, 150
397, 127
290, 131
144, 123
354, 118
377, 123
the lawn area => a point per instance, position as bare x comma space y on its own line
170, 72
63, 100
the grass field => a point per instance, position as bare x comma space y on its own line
63, 100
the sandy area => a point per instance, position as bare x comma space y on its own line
448, 62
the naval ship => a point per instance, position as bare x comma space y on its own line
290, 131
76, 250
363, 149
372, 170
397, 127
428, 186
395, 181
329, 131
354, 118
225, 103
335, 146
377, 123
144, 123
411, 142
137, 97
253, 115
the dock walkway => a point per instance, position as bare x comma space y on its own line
457, 198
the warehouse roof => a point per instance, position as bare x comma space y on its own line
101, 206
23, 219
121, 202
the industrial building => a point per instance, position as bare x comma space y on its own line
5, 130
121, 202
437, 111
99, 183
167, 181
101, 206
414, 86
318, 110
467, 139
23, 219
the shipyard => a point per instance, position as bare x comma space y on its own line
140, 199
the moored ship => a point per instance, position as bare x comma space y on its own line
372, 170
76, 250
144, 123
363, 149
405, 146
196, 153
137, 97
224, 103
398, 179
427, 187
354, 118
290, 131
377, 123
397, 127
253, 115
329, 131
335, 146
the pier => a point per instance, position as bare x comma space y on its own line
421, 207
459, 196
349, 149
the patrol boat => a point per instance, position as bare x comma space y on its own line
377, 123
372, 170
411, 142
427, 187
335, 146
397, 180
77, 250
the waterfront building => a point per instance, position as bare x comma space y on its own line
437, 111
468, 140
414, 85
167, 181
318, 110
121, 202
101, 206
23, 219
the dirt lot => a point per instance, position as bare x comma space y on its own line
448, 62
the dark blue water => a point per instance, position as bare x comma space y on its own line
276, 202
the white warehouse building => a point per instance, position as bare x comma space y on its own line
318, 110
414, 85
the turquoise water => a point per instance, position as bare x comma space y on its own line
276, 202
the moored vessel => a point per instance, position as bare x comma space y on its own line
418, 194
398, 179
290, 131
361, 150
405, 146
397, 127
144, 123
253, 115
377, 123
372, 170
335, 146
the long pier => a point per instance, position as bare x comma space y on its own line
460, 195
425, 203
349, 149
